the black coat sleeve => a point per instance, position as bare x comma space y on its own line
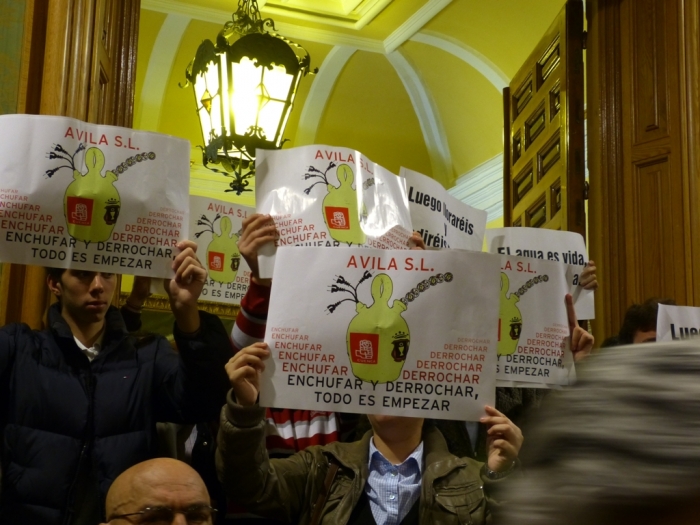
192, 387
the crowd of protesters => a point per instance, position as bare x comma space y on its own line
80, 402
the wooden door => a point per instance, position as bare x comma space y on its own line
78, 60
544, 170
644, 152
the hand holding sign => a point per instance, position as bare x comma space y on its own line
244, 370
581, 340
258, 229
184, 289
503, 442
588, 279
416, 242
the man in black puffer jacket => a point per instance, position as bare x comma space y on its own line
79, 401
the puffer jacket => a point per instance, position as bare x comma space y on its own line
285, 489
66, 420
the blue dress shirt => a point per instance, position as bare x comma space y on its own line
393, 489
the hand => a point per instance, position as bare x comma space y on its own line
140, 291
244, 370
257, 230
415, 242
185, 288
581, 341
588, 278
503, 442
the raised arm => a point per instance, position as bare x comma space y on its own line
277, 488
581, 340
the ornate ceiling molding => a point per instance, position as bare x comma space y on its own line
482, 187
299, 32
352, 14
414, 24
467, 54
320, 92
428, 117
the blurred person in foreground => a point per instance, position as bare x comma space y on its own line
620, 447
158, 492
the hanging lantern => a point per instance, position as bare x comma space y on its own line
244, 88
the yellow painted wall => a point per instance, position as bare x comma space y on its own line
149, 25
515, 27
469, 106
318, 53
371, 111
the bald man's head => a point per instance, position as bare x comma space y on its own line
160, 482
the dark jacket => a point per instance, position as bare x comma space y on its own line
69, 422
452, 488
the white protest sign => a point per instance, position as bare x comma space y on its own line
383, 332
328, 196
91, 197
550, 245
674, 323
442, 220
216, 225
533, 342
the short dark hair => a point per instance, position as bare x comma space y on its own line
640, 318
55, 273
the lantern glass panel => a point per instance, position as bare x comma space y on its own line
272, 113
246, 96
208, 96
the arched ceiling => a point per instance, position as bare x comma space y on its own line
413, 83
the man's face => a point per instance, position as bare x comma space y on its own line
85, 296
644, 337
178, 491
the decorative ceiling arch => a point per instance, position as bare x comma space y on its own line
158, 70
467, 54
320, 92
428, 117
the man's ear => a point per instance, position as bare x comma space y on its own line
54, 286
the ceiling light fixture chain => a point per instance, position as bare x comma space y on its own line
247, 20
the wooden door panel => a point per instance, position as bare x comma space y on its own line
82, 55
644, 95
544, 171
649, 70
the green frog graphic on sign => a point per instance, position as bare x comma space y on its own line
223, 257
378, 337
510, 319
91, 203
340, 208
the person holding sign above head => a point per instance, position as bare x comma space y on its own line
80, 399
287, 431
399, 472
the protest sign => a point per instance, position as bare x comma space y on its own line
217, 226
326, 196
383, 332
674, 323
533, 329
91, 197
442, 220
550, 245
